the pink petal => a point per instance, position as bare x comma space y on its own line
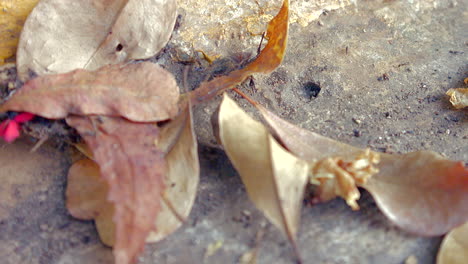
11, 131
23, 117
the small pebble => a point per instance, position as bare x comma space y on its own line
42, 197
246, 213
357, 121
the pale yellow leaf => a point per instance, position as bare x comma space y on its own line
182, 175
454, 248
61, 35
275, 179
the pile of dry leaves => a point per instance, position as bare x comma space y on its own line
138, 139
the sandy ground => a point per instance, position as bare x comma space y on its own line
372, 75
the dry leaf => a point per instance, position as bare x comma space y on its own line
275, 179
420, 191
182, 175
86, 197
332, 161
339, 176
87, 192
139, 92
134, 169
14, 13
61, 35
458, 97
454, 248
83, 199
277, 35
267, 61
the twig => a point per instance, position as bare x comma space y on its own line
246, 97
39, 143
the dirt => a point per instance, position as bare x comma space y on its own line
374, 74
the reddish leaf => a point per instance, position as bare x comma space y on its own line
140, 92
134, 169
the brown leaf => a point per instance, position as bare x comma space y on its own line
267, 61
86, 198
458, 97
277, 35
454, 248
420, 191
275, 179
140, 92
134, 169
60, 36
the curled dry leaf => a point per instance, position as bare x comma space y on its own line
337, 168
60, 35
87, 192
134, 169
454, 248
267, 61
458, 97
14, 13
341, 175
420, 191
274, 178
131, 91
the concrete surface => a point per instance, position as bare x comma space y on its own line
382, 67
